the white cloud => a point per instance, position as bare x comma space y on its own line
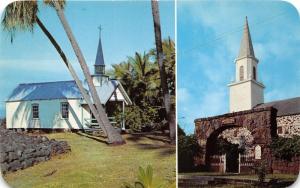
183, 94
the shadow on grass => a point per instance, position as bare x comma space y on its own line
98, 138
164, 150
137, 137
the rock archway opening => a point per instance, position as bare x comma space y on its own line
241, 132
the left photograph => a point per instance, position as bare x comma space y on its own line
88, 94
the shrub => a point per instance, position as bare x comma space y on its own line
286, 148
3, 123
140, 119
261, 171
145, 180
188, 148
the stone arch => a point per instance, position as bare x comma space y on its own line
260, 122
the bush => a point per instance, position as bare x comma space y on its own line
188, 148
261, 171
140, 119
145, 180
286, 148
3, 123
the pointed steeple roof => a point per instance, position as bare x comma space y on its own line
99, 57
246, 48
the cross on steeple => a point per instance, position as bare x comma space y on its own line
100, 29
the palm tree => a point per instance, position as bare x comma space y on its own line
139, 75
170, 110
115, 137
22, 15
145, 76
169, 62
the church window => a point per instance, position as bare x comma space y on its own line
254, 73
35, 111
64, 110
241, 73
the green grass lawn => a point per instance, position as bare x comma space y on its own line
291, 177
92, 163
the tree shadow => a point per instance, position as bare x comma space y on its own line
98, 138
163, 147
138, 137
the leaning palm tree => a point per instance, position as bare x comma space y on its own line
115, 137
22, 15
170, 110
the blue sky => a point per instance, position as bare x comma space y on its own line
127, 28
209, 35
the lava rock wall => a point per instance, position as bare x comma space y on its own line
19, 151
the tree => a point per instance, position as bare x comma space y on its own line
22, 15
114, 137
188, 148
170, 110
145, 77
139, 76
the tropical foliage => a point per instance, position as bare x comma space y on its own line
286, 148
139, 75
145, 180
188, 148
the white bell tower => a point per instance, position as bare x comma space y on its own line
246, 91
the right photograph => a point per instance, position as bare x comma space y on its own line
238, 94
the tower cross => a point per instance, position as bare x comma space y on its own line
100, 29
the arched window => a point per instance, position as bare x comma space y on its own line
257, 152
241, 73
254, 73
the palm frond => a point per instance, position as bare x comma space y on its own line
20, 16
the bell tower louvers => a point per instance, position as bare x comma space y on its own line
246, 91
99, 67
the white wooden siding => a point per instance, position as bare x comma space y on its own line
19, 115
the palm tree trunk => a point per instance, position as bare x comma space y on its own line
114, 137
71, 70
170, 112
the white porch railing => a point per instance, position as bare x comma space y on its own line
91, 122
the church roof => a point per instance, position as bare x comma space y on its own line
108, 89
45, 91
99, 56
64, 90
284, 107
246, 48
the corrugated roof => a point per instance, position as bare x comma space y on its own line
63, 90
284, 107
106, 90
45, 90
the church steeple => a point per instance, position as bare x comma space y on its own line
246, 91
246, 48
99, 63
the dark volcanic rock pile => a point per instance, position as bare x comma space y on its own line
19, 151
